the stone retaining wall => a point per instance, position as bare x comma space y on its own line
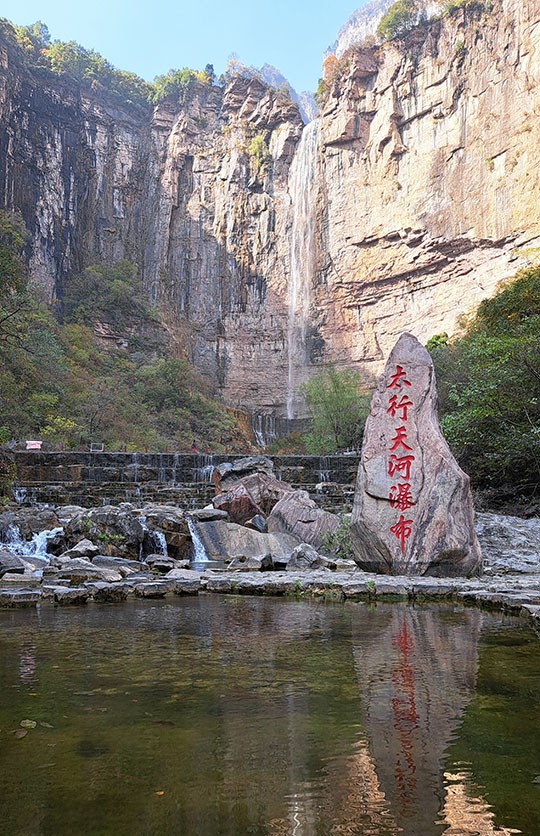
88, 479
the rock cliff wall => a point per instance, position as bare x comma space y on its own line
416, 192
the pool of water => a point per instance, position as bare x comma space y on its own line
213, 715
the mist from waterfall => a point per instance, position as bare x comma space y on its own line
303, 192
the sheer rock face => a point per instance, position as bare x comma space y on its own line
426, 196
413, 512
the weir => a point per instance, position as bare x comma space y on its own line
90, 479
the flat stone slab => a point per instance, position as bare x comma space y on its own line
71, 596
20, 597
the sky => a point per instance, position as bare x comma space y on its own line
149, 38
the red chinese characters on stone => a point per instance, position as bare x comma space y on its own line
398, 379
399, 439
401, 455
401, 496
401, 465
402, 530
402, 406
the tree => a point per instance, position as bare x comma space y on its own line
338, 405
400, 18
489, 387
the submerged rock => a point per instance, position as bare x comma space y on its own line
413, 512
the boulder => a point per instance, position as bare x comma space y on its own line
253, 563
227, 541
10, 563
229, 472
119, 564
110, 593
82, 570
71, 596
305, 558
160, 563
171, 523
257, 523
208, 514
84, 548
117, 529
413, 512
253, 495
298, 515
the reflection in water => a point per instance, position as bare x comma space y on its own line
465, 814
416, 670
246, 716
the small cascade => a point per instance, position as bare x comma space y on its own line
199, 552
265, 429
146, 531
204, 468
174, 469
36, 547
160, 543
324, 469
34, 550
303, 189
20, 495
135, 468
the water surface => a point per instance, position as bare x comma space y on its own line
231, 715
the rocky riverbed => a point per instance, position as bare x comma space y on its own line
510, 583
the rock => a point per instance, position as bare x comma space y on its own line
254, 563
71, 596
32, 521
230, 472
153, 590
252, 495
208, 514
110, 592
227, 541
298, 515
118, 530
84, 548
413, 512
10, 563
305, 558
160, 563
257, 523
509, 544
80, 569
172, 524
122, 565
238, 503
19, 597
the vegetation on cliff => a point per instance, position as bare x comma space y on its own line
105, 370
489, 387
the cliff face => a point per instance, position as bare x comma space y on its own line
431, 178
406, 202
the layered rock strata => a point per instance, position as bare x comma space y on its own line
421, 179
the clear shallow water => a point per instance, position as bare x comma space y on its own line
228, 715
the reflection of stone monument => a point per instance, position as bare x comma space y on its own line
417, 672
413, 510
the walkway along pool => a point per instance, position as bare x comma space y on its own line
241, 715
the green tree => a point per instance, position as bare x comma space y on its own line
338, 406
489, 387
400, 18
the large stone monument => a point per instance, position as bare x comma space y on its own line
413, 512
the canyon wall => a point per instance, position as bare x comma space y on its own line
274, 250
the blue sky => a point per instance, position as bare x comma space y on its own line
150, 38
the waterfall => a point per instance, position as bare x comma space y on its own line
199, 552
203, 469
303, 190
160, 543
36, 547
